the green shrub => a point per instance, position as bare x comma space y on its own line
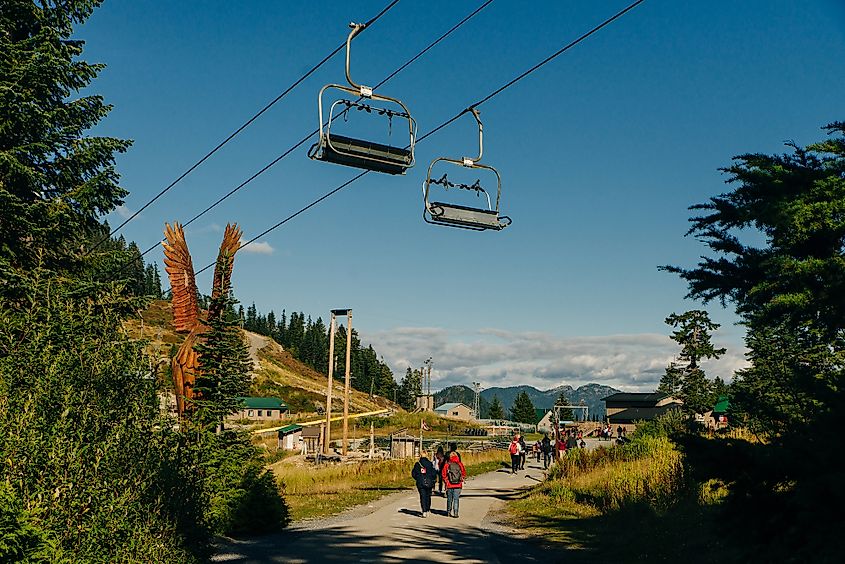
242, 497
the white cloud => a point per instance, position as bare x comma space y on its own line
261, 248
497, 357
123, 211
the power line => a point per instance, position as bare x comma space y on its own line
239, 129
449, 121
302, 141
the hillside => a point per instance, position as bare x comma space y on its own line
590, 394
276, 372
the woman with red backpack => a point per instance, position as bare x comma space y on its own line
454, 475
515, 449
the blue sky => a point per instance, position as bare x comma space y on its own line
600, 153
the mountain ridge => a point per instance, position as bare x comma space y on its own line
590, 394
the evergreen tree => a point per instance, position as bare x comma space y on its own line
671, 381
496, 410
90, 471
777, 253
251, 323
409, 388
692, 332
225, 364
522, 410
564, 414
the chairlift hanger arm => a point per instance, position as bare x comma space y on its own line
360, 89
466, 160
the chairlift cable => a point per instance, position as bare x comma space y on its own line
446, 123
238, 130
305, 139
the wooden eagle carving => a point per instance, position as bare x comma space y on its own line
186, 319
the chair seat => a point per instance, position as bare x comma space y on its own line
365, 154
465, 216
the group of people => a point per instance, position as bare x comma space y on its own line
445, 469
542, 449
606, 432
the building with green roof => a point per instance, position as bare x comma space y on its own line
260, 409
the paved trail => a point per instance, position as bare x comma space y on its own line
392, 530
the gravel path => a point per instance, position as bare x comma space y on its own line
392, 530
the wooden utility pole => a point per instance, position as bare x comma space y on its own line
372, 441
328, 434
346, 384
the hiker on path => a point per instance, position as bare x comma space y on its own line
546, 447
424, 475
514, 449
523, 452
454, 475
439, 459
536, 448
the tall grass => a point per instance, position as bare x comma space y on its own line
648, 470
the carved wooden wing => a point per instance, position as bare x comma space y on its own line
225, 262
185, 366
180, 269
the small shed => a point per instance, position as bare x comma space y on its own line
403, 446
312, 439
290, 437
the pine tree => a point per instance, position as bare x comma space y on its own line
670, 382
90, 473
251, 323
496, 411
564, 414
522, 410
692, 332
225, 364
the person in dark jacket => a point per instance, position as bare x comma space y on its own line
571, 441
424, 475
523, 452
546, 448
438, 461
453, 484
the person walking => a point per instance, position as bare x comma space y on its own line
536, 450
439, 459
514, 449
523, 452
424, 475
546, 447
454, 475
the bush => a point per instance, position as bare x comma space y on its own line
243, 498
86, 468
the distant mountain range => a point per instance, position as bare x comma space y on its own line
590, 394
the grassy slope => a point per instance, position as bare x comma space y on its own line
279, 373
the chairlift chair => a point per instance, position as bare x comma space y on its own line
359, 153
464, 217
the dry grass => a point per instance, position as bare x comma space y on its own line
313, 492
586, 484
